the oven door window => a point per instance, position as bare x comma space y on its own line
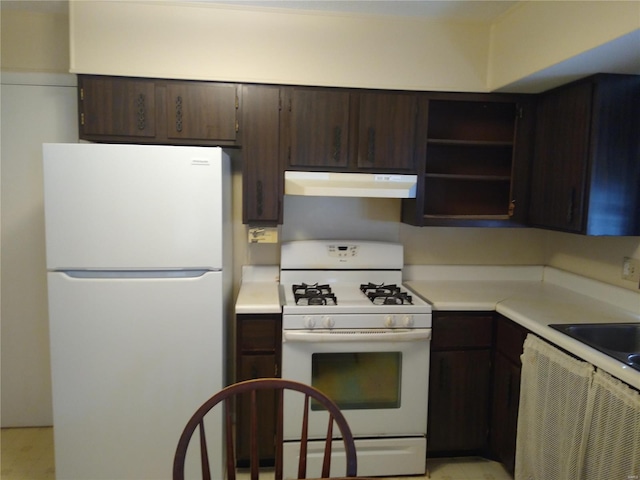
356, 381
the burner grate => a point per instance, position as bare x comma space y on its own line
313, 294
386, 294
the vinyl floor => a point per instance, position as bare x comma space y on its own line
27, 454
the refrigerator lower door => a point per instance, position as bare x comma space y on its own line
132, 359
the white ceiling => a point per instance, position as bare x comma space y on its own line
468, 10
46, 6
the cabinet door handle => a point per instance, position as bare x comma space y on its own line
371, 145
442, 374
178, 113
509, 382
259, 198
337, 144
140, 103
571, 206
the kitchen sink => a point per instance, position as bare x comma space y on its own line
618, 340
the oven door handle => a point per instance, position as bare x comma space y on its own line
346, 335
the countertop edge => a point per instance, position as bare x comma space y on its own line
584, 352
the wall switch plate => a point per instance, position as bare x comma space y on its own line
263, 235
631, 269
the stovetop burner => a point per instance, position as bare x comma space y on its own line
386, 294
313, 294
340, 284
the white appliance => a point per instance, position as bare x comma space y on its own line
344, 184
352, 330
138, 251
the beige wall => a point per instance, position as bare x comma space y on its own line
536, 35
164, 39
36, 42
594, 257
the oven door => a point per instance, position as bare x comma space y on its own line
379, 379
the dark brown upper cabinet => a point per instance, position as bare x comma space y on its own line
386, 131
202, 111
350, 130
586, 171
319, 128
122, 108
144, 110
474, 160
261, 161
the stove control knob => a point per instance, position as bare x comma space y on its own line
407, 321
389, 321
328, 322
309, 321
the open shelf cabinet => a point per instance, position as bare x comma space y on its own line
473, 172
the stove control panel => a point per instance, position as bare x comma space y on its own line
367, 321
342, 251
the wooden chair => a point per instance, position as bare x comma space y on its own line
228, 394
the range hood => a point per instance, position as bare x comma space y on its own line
335, 184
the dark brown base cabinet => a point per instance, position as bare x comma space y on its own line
459, 383
506, 390
474, 385
258, 355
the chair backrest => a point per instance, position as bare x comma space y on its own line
250, 387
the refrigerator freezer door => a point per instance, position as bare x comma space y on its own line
132, 359
134, 206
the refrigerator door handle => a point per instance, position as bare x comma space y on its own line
135, 273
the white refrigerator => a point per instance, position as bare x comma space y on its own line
138, 247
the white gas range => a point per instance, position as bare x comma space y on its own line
352, 329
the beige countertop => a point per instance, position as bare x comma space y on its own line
534, 297
259, 291
557, 297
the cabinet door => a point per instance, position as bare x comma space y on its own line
476, 163
510, 338
250, 367
459, 384
261, 164
560, 162
504, 417
202, 111
386, 132
319, 128
120, 108
258, 356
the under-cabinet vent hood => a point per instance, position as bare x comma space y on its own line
334, 184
